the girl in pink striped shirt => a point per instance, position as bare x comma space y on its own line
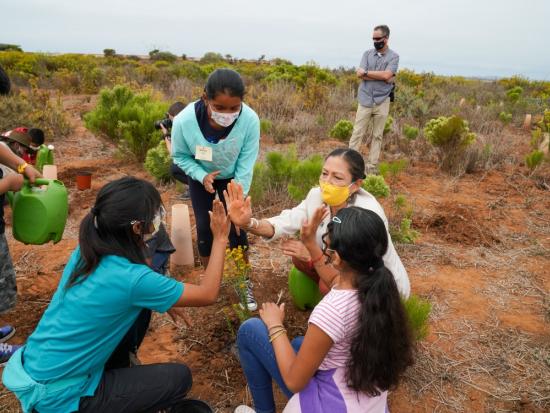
358, 341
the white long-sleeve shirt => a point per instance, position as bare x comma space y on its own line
289, 221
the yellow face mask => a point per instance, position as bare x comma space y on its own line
334, 195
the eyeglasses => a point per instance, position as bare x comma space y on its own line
160, 215
377, 39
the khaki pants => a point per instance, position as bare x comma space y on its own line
377, 115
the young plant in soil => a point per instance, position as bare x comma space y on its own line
236, 273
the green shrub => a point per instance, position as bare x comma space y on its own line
10, 47
212, 57
109, 52
259, 183
514, 94
265, 126
158, 161
505, 117
418, 313
342, 130
127, 118
410, 132
304, 176
404, 234
283, 174
375, 185
163, 56
392, 169
34, 108
388, 125
451, 136
534, 159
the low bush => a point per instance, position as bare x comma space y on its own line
404, 234
304, 176
505, 117
127, 118
376, 185
265, 126
158, 161
451, 136
388, 125
410, 132
342, 130
392, 169
34, 108
418, 312
534, 159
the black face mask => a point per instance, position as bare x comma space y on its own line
379, 45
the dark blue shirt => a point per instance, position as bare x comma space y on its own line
210, 134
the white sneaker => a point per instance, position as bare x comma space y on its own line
250, 300
244, 409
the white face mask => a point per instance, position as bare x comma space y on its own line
224, 119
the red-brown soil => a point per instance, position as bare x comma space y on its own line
482, 259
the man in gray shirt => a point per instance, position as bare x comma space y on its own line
377, 70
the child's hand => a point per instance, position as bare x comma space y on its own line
14, 181
219, 221
272, 314
295, 248
309, 228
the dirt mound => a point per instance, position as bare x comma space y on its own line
460, 224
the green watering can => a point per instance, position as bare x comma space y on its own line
44, 156
304, 291
39, 212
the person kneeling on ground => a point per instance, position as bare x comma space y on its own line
76, 359
358, 342
340, 186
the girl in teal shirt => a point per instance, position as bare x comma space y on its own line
214, 140
77, 359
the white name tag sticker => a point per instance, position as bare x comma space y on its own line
203, 153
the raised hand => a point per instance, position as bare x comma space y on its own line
239, 208
309, 227
219, 221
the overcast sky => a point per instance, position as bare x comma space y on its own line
465, 37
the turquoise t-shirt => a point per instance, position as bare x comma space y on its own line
233, 156
83, 325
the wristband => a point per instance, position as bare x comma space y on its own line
277, 335
312, 262
21, 168
276, 325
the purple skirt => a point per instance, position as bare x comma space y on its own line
327, 392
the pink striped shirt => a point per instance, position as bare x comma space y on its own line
338, 316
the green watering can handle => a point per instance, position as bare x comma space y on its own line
37, 181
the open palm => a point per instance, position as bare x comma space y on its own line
239, 208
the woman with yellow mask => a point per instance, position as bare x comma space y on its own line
339, 187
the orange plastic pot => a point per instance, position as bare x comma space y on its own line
83, 180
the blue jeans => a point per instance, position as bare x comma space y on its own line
259, 363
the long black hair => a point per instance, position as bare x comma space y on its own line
382, 349
354, 159
107, 228
224, 81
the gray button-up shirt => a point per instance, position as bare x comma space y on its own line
374, 92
